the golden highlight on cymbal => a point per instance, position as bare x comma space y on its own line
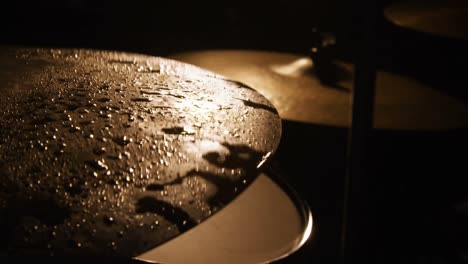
448, 18
289, 82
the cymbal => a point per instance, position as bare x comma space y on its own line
106, 153
446, 18
288, 81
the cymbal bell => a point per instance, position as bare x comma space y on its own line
447, 18
289, 82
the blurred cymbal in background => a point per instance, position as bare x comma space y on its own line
289, 82
448, 18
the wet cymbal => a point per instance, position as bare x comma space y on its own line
105, 153
447, 18
288, 81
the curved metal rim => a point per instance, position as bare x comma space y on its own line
300, 204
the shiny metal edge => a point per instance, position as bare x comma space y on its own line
299, 203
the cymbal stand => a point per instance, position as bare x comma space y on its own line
359, 212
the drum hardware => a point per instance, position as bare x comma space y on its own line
266, 223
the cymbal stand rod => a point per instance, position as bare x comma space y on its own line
359, 217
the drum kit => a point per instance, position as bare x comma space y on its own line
156, 159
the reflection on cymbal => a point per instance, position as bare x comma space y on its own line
287, 80
446, 18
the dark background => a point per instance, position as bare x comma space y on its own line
421, 175
157, 28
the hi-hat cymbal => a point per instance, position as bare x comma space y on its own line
105, 153
447, 18
288, 81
